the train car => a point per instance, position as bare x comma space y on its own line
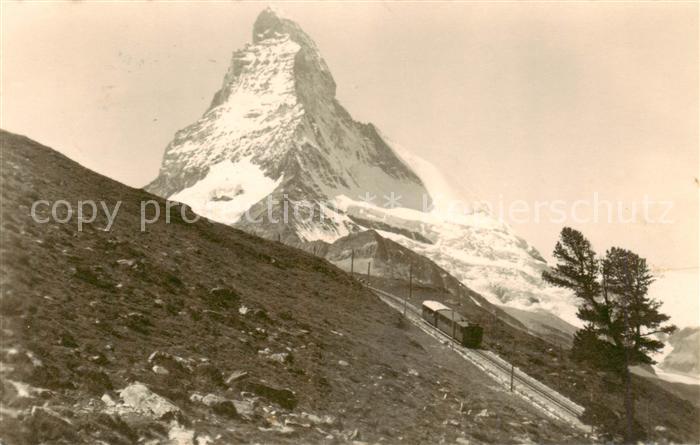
452, 324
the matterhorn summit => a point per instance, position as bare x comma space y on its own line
275, 135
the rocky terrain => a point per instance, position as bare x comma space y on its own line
200, 333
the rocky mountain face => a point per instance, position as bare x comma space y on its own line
275, 130
481, 252
369, 255
278, 156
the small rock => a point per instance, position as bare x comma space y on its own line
413, 372
23, 390
36, 362
462, 441
125, 262
205, 439
212, 399
287, 430
108, 400
179, 435
170, 362
343, 363
293, 422
280, 357
160, 370
329, 420
244, 407
312, 418
319, 420
99, 359
236, 376
156, 354
283, 429
483, 413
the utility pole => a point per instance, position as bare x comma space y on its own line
410, 288
369, 265
512, 368
352, 262
453, 324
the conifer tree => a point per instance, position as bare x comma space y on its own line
620, 319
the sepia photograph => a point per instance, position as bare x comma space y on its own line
349, 222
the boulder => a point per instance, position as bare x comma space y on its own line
139, 398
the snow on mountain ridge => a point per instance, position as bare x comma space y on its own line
480, 251
228, 190
259, 101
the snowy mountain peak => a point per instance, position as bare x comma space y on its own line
271, 20
270, 24
276, 111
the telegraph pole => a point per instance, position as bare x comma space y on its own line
410, 288
512, 367
453, 323
369, 264
352, 262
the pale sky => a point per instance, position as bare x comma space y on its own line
511, 101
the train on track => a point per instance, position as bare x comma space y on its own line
452, 324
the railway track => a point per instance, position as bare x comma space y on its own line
534, 391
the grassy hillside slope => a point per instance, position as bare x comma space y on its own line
200, 333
